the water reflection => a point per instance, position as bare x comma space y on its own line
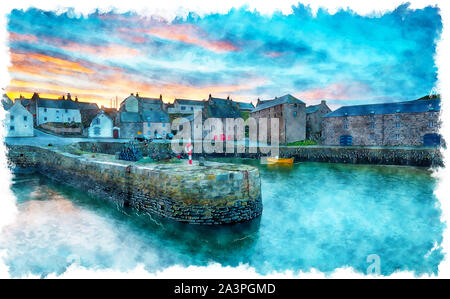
316, 215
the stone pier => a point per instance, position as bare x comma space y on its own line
217, 193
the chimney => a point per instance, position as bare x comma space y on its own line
76, 99
63, 97
323, 102
132, 94
209, 98
228, 97
69, 97
137, 94
160, 97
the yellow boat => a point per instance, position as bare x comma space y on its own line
277, 160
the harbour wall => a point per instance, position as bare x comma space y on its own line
411, 156
218, 193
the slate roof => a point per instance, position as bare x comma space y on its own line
222, 108
245, 106
420, 105
312, 108
86, 105
189, 102
87, 115
155, 116
61, 104
277, 101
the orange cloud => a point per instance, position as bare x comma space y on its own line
337, 91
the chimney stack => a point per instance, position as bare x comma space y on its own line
137, 94
69, 97
323, 102
209, 98
160, 97
76, 99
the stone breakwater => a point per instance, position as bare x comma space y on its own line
217, 193
411, 156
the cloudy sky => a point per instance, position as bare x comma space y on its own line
343, 58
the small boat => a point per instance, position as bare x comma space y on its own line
277, 160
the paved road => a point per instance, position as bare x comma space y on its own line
41, 138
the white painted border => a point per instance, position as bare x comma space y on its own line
171, 8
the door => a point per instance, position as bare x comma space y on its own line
431, 140
346, 140
116, 133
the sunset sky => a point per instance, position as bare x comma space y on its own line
343, 58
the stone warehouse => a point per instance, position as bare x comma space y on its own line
410, 123
291, 113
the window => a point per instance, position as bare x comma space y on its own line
65, 110
295, 112
372, 117
397, 125
372, 136
45, 109
397, 137
192, 108
12, 117
96, 131
57, 111
183, 108
431, 124
164, 125
97, 121
25, 118
45, 118
397, 116
11, 128
372, 125
346, 126
149, 124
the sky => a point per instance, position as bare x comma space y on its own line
343, 58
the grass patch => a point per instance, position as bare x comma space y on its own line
302, 143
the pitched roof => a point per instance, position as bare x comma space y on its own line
189, 102
61, 104
155, 116
87, 115
86, 105
420, 105
277, 101
222, 108
312, 108
245, 105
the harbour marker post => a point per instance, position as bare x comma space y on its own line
188, 148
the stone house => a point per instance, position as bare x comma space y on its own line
219, 109
410, 123
183, 106
156, 122
314, 117
136, 116
101, 126
291, 113
57, 111
18, 121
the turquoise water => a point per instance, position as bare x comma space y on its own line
316, 215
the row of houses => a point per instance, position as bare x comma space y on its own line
408, 123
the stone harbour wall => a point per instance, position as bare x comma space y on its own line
217, 193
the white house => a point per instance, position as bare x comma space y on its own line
57, 111
101, 126
18, 121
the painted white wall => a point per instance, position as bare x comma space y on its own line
18, 122
177, 108
46, 115
102, 125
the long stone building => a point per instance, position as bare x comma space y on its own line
410, 123
291, 113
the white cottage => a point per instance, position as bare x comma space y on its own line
101, 126
57, 111
18, 121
